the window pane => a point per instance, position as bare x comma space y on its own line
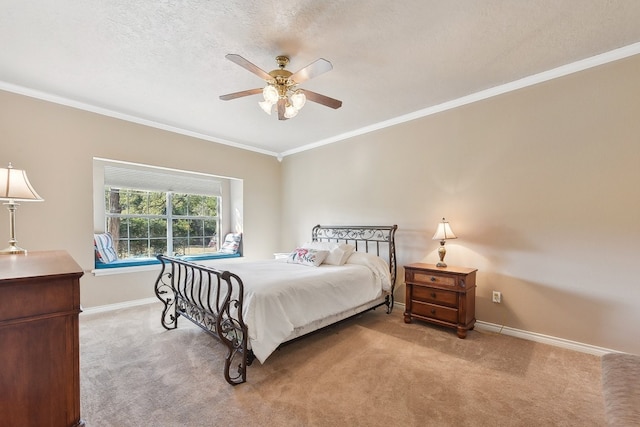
180, 228
138, 202
158, 246
124, 197
112, 200
211, 207
138, 228
179, 245
138, 248
198, 242
158, 227
194, 246
124, 228
211, 228
122, 247
197, 205
158, 203
179, 203
212, 244
196, 227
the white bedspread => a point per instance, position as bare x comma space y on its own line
280, 297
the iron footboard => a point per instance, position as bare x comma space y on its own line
212, 299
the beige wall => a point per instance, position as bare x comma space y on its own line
56, 144
542, 187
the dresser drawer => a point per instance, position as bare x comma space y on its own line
434, 311
432, 278
43, 297
435, 296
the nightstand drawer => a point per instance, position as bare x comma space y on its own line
433, 279
435, 296
433, 311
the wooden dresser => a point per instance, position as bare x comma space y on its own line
39, 344
445, 296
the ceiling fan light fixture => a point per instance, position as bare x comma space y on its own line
281, 86
290, 111
298, 99
270, 94
266, 106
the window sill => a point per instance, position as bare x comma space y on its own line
122, 270
133, 265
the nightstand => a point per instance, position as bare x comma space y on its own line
444, 296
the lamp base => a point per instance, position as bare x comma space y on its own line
13, 250
441, 253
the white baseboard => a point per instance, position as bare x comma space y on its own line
544, 339
118, 306
541, 338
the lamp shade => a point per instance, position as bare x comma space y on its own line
266, 106
290, 111
15, 186
444, 232
298, 99
270, 94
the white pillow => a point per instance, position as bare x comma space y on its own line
348, 251
339, 253
307, 256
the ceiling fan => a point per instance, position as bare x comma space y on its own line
282, 86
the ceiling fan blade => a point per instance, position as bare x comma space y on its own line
248, 66
282, 105
235, 95
319, 66
321, 99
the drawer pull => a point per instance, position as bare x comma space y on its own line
433, 279
433, 295
433, 311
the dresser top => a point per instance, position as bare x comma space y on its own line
37, 264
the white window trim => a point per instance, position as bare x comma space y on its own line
231, 190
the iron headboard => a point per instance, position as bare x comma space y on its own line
372, 239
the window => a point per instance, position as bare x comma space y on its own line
145, 223
150, 210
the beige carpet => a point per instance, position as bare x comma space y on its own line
373, 370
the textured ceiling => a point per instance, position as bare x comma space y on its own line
162, 62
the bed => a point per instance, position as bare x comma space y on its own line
254, 307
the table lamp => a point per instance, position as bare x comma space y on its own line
443, 233
15, 187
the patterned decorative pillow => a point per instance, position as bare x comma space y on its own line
306, 256
103, 244
231, 243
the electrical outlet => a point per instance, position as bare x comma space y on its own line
497, 297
